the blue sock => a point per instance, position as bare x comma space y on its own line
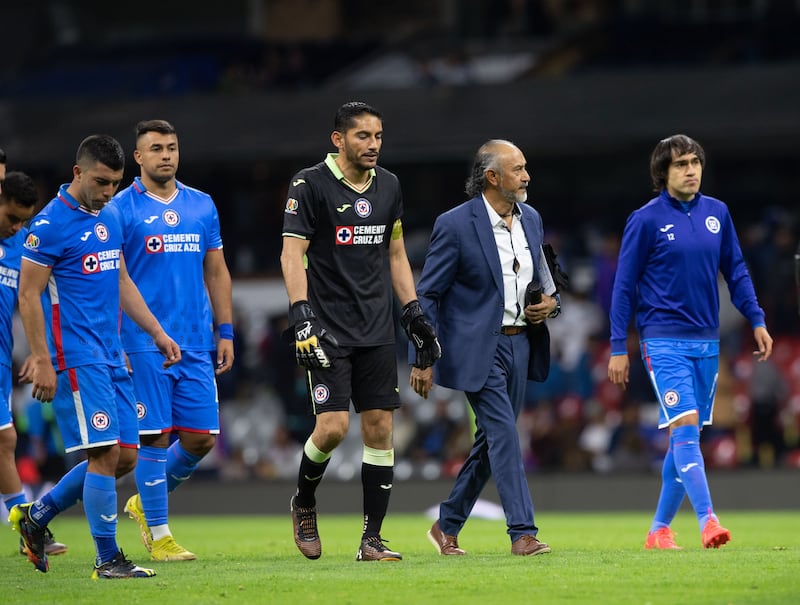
64, 494
672, 492
685, 443
100, 505
180, 465
151, 480
11, 500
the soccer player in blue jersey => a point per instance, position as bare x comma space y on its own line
672, 250
173, 251
17, 203
73, 284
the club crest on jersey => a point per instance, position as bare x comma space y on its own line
170, 217
2, 252
141, 410
362, 207
101, 232
671, 398
291, 206
32, 241
100, 421
712, 224
321, 393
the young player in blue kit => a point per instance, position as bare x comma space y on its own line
173, 251
73, 283
18, 199
672, 250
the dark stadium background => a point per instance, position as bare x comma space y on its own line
585, 88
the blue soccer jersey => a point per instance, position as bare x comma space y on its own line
165, 246
81, 300
10, 254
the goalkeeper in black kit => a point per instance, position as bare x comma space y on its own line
343, 255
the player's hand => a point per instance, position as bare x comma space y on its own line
169, 349
224, 356
421, 381
764, 342
422, 334
313, 344
43, 379
619, 369
25, 374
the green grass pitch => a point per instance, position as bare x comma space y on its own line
596, 559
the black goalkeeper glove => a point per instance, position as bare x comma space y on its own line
422, 334
313, 344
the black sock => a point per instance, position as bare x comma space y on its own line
377, 483
308, 479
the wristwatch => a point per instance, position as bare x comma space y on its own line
557, 311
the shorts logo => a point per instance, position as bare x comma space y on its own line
363, 207
712, 224
171, 218
344, 236
321, 393
101, 232
671, 398
141, 410
291, 206
100, 421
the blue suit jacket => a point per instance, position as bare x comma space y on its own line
461, 293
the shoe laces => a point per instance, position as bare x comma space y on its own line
306, 522
171, 546
376, 542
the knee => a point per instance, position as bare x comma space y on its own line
126, 462
198, 444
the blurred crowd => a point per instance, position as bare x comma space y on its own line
576, 421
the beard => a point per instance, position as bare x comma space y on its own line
514, 196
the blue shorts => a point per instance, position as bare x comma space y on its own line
95, 407
684, 376
6, 420
181, 398
367, 375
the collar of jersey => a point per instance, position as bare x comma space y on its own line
330, 162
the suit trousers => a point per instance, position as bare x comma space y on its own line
496, 450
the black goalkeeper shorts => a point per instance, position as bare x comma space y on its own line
365, 375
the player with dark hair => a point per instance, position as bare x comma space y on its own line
173, 250
672, 250
18, 199
72, 285
344, 216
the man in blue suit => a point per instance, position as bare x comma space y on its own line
482, 256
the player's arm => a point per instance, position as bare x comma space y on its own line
32, 282
294, 268
313, 344
132, 303
218, 283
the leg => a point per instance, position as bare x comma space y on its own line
330, 429
669, 501
10, 484
377, 468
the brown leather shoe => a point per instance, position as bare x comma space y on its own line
446, 545
529, 545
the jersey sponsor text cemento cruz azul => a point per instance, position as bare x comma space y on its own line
354, 235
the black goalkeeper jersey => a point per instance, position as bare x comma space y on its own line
349, 281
